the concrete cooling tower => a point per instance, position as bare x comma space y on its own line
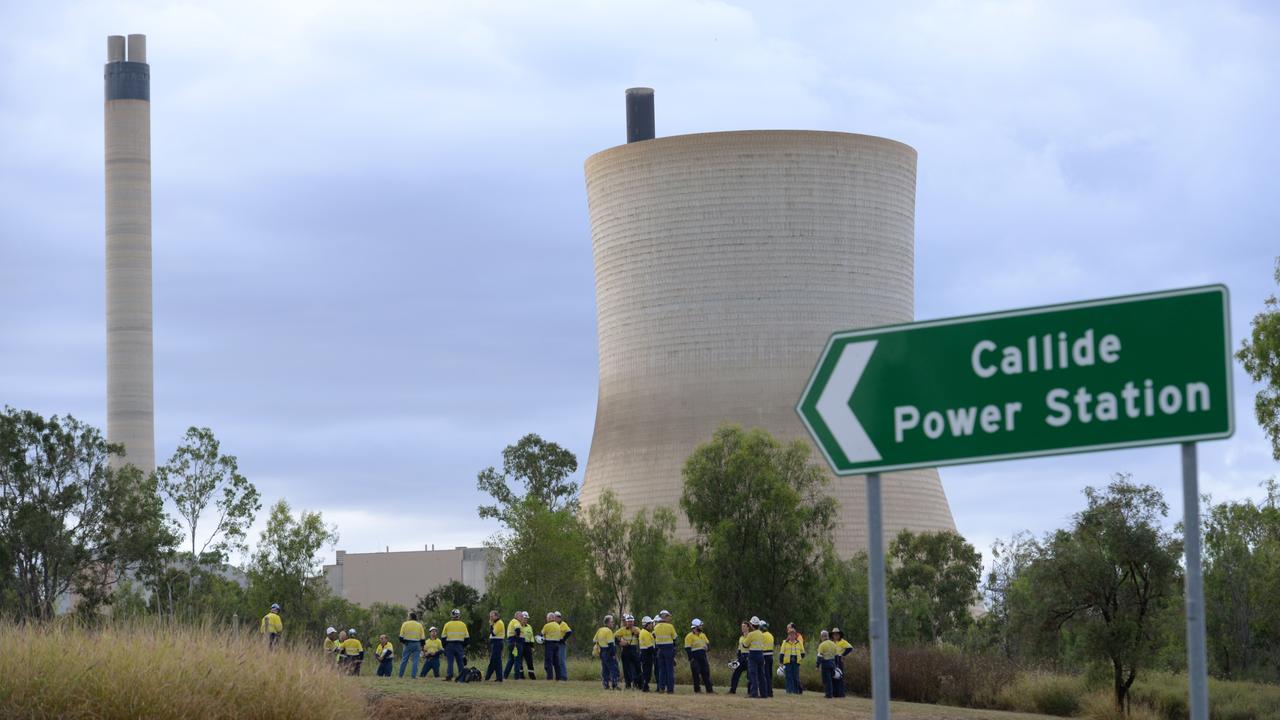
723, 261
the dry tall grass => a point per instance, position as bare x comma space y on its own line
161, 671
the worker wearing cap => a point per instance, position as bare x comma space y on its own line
552, 637
515, 647
432, 649
384, 651
843, 648
456, 635
646, 650
353, 651
827, 652
527, 654
627, 638
330, 638
743, 662
272, 626
664, 637
769, 646
565, 632
695, 649
790, 655
411, 636
603, 646
755, 660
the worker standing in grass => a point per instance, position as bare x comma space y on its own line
755, 659
626, 639
338, 657
432, 649
565, 632
330, 638
664, 638
497, 636
695, 649
272, 626
515, 647
646, 646
769, 646
530, 641
827, 652
411, 637
384, 652
456, 635
791, 655
353, 650
552, 637
603, 647
843, 648
743, 662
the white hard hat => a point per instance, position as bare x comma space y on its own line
352, 631
696, 623
330, 629
755, 621
764, 623
664, 613
627, 617
557, 613
524, 613
274, 606
646, 620
433, 628
456, 612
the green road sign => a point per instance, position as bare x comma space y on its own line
1119, 372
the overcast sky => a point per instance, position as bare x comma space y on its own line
371, 252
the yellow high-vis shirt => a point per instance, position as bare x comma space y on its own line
844, 646
755, 641
604, 637
412, 630
626, 636
497, 629
513, 628
791, 651
565, 629
769, 644
552, 631
828, 650
744, 645
664, 633
271, 624
646, 639
384, 651
455, 630
696, 641
352, 646
432, 646
330, 644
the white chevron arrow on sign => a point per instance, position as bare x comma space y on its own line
833, 405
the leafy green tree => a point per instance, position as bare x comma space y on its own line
1111, 577
542, 467
933, 582
287, 568
651, 547
69, 522
606, 532
199, 476
1260, 356
763, 524
435, 607
1012, 623
846, 584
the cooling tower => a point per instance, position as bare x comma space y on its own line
723, 261
130, 402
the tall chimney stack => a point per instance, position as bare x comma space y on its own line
640, 114
130, 380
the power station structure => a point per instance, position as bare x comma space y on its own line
723, 262
130, 380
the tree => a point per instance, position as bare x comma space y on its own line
1006, 591
762, 524
542, 467
606, 533
286, 566
1111, 577
434, 607
1260, 356
650, 548
69, 522
933, 579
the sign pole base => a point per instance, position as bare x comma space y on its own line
1197, 673
879, 615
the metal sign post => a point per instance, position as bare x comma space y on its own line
878, 606
1197, 672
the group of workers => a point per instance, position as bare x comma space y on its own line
645, 650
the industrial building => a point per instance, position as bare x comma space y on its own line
400, 578
130, 379
723, 261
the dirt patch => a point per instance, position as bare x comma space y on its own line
423, 707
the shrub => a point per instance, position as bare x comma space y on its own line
1044, 693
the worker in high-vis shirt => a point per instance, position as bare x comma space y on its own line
497, 636
695, 649
755, 660
603, 647
647, 651
565, 631
790, 655
552, 637
383, 652
515, 647
827, 652
412, 636
769, 646
432, 650
338, 657
742, 663
627, 639
664, 638
353, 651
455, 643
330, 638
272, 627
529, 642
843, 647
